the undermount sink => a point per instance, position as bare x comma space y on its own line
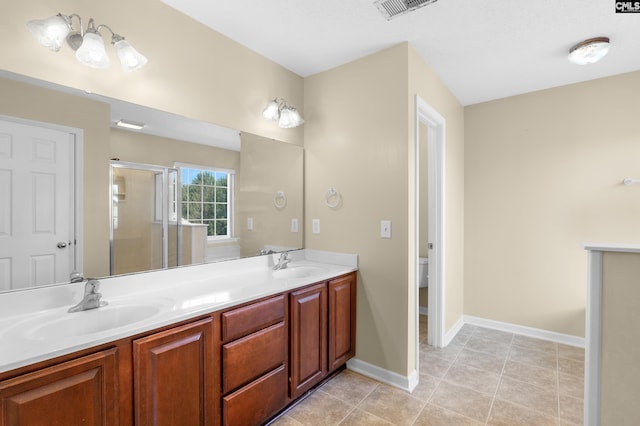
298, 271
87, 322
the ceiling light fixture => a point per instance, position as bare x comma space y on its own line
88, 44
589, 51
130, 125
286, 115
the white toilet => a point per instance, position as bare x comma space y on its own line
423, 272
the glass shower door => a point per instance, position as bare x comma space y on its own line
145, 227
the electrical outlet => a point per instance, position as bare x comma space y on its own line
249, 224
315, 226
385, 229
294, 225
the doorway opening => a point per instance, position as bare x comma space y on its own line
430, 121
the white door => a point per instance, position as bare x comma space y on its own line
36, 205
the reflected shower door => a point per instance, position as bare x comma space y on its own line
145, 231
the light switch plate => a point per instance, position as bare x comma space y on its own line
385, 229
249, 224
294, 225
315, 226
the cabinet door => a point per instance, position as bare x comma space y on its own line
308, 338
79, 392
342, 320
174, 376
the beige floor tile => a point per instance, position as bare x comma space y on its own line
462, 400
392, 404
571, 409
320, 409
540, 399
467, 329
484, 344
432, 364
481, 360
479, 380
361, 418
426, 385
497, 335
543, 377
571, 352
570, 366
504, 413
538, 358
285, 421
535, 344
432, 415
349, 387
571, 385
449, 352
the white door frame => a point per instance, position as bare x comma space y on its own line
436, 125
77, 137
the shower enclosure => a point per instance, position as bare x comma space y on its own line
145, 212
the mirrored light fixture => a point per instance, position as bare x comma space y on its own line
88, 44
589, 51
286, 115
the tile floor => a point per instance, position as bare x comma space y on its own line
484, 377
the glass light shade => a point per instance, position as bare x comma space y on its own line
271, 111
589, 51
92, 52
289, 117
130, 58
50, 32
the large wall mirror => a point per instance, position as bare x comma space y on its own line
105, 200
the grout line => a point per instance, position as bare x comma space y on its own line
504, 365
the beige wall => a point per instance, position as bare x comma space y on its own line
543, 175
192, 70
620, 389
359, 139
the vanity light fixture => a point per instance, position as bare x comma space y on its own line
88, 43
130, 125
286, 115
589, 51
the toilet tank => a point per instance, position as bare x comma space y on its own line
423, 272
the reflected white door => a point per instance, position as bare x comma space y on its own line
36, 205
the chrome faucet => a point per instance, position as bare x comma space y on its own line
283, 261
91, 299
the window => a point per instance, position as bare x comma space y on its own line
207, 198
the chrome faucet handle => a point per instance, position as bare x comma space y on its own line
76, 277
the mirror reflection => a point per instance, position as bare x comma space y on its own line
135, 200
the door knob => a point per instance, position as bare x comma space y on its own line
62, 244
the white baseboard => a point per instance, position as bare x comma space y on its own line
537, 333
449, 335
407, 383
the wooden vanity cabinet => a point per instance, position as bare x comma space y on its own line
254, 361
174, 376
308, 338
342, 320
81, 391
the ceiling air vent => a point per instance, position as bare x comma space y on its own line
392, 8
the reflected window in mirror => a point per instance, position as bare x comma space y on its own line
207, 198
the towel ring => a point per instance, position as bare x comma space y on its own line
332, 198
280, 200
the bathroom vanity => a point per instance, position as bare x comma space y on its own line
231, 343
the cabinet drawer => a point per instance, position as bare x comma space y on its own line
247, 359
256, 402
242, 321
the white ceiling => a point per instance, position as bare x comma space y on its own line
482, 50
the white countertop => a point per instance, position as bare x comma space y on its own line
35, 324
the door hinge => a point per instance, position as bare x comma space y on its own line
430, 246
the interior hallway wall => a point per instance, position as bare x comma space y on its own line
543, 175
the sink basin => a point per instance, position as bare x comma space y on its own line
298, 271
87, 322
